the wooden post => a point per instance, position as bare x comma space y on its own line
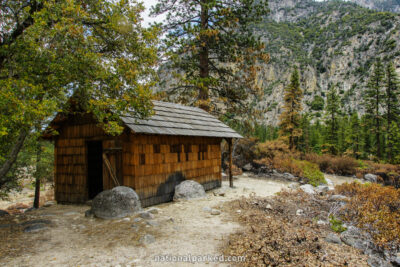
230, 162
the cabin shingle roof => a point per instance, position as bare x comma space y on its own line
175, 119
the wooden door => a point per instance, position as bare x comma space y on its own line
112, 164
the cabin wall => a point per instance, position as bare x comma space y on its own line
71, 160
154, 164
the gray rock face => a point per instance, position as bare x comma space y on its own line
307, 188
189, 189
355, 238
371, 177
293, 186
332, 238
118, 202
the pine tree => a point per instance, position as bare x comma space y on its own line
332, 113
290, 119
373, 100
304, 140
213, 51
392, 109
355, 135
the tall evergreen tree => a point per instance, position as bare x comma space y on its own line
392, 108
373, 100
332, 113
290, 119
355, 135
213, 51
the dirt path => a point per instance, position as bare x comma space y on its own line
181, 229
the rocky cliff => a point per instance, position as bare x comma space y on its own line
332, 42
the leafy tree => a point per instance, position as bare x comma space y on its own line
213, 52
332, 112
373, 100
96, 51
392, 104
290, 119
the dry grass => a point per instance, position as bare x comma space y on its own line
374, 208
334, 164
279, 237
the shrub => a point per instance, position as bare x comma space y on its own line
374, 208
334, 164
336, 224
311, 172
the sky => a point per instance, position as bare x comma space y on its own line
146, 17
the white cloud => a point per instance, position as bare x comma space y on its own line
146, 18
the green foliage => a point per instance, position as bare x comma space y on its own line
336, 224
318, 103
213, 52
289, 121
311, 172
96, 51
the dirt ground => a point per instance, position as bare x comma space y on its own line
180, 228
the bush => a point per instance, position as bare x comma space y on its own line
374, 208
336, 224
334, 164
311, 172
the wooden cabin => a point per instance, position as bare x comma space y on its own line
151, 156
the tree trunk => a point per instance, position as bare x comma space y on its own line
36, 200
204, 58
12, 157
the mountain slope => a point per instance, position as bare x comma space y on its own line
380, 5
333, 43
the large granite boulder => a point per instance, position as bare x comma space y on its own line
119, 202
371, 177
189, 189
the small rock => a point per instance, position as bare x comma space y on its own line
322, 189
371, 177
397, 260
153, 211
215, 212
238, 211
147, 239
299, 212
338, 198
126, 219
224, 175
293, 186
3, 213
247, 167
137, 220
332, 238
357, 239
152, 223
35, 228
49, 204
274, 171
289, 176
171, 220
245, 174
376, 261
207, 209
146, 215
321, 222
329, 181
268, 207
307, 188
89, 213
